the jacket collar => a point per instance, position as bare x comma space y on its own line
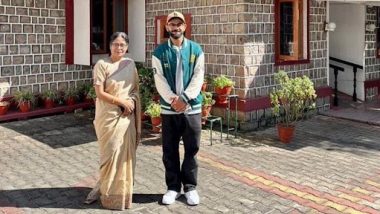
184, 43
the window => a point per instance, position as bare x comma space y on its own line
107, 16
291, 31
162, 35
90, 23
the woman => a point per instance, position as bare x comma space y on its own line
117, 125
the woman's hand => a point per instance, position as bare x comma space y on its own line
129, 106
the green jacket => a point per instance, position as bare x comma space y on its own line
164, 61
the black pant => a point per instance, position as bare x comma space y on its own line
173, 128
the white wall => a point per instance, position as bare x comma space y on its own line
82, 32
136, 30
347, 43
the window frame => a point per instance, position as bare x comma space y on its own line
105, 25
160, 33
285, 59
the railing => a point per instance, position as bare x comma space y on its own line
355, 70
336, 70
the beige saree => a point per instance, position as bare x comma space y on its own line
117, 135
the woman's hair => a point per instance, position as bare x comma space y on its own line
117, 34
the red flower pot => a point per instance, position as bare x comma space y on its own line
25, 106
223, 91
4, 106
143, 116
156, 121
206, 111
204, 86
222, 94
88, 100
285, 133
156, 98
70, 101
49, 103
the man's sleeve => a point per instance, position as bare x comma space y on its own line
162, 85
194, 88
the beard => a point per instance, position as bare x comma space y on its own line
176, 34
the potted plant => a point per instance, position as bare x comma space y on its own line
292, 100
49, 98
146, 99
206, 80
222, 86
147, 90
207, 102
83, 92
70, 96
91, 94
24, 100
4, 106
154, 111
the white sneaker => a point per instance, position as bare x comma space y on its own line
192, 197
170, 197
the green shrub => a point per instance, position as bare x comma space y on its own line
222, 81
153, 110
296, 96
24, 96
50, 94
207, 99
91, 93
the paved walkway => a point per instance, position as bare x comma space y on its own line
47, 165
365, 112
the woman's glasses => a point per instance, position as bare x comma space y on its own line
119, 45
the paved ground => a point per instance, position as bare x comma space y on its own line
47, 165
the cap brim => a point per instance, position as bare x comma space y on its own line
176, 17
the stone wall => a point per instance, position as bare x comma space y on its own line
32, 47
237, 37
372, 63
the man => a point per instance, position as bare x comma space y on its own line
179, 73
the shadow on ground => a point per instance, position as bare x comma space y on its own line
330, 134
69, 198
75, 129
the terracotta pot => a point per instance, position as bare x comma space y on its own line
143, 116
70, 101
204, 86
285, 133
223, 91
25, 106
156, 121
4, 106
206, 111
222, 94
156, 98
88, 100
49, 103
221, 100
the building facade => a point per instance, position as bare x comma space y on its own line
238, 38
32, 48
51, 44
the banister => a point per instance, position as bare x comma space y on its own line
336, 70
354, 69
346, 62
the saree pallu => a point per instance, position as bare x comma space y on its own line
117, 134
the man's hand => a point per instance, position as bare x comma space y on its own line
178, 104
